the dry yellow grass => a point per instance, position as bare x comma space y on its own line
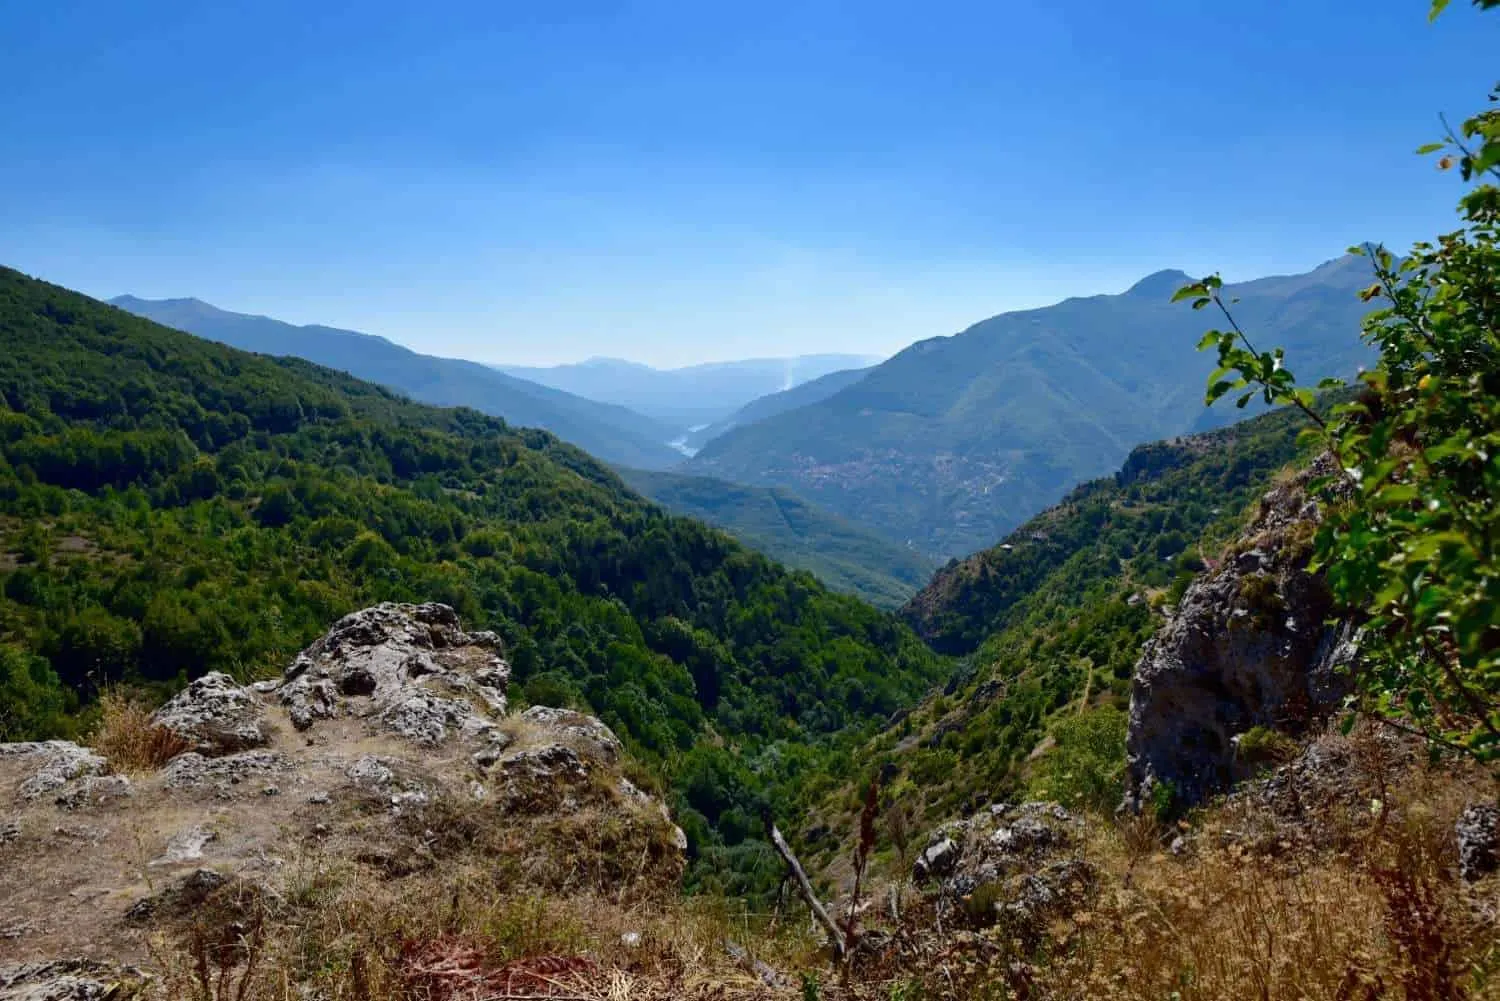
1369, 909
126, 736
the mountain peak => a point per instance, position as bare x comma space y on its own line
1159, 285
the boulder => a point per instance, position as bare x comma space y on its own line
93, 790
56, 763
546, 778
1478, 832
215, 716
410, 669
1249, 646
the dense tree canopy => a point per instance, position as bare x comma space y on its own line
170, 506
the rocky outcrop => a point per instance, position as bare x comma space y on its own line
52, 765
586, 732
411, 668
1016, 865
385, 752
1249, 646
215, 716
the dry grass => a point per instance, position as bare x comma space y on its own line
1371, 909
127, 737
454, 937
1368, 906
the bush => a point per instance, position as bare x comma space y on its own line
1086, 768
127, 737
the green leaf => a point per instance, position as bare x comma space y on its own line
1437, 9
1216, 391
1189, 291
1430, 148
1487, 158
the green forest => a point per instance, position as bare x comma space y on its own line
1050, 621
169, 506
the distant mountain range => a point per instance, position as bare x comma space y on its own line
787, 528
609, 432
956, 440
691, 396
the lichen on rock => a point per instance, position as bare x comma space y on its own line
410, 668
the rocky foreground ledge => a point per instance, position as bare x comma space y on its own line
387, 745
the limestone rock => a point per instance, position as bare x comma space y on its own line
545, 778
1478, 831
57, 763
585, 732
69, 980
370, 772
936, 861
1021, 865
93, 790
193, 770
1249, 646
410, 668
216, 716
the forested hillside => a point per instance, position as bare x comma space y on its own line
1053, 618
787, 528
170, 506
1137, 524
957, 440
612, 433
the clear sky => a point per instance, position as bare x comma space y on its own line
535, 181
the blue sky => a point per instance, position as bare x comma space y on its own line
536, 182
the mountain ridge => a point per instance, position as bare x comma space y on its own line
957, 439
611, 432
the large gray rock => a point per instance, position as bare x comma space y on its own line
1017, 865
215, 715
56, 764
411, 668
1248, 646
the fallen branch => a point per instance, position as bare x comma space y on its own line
835, 936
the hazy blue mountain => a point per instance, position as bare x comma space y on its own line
957, 440
613, 433
787, 528
691, 396
769, 406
